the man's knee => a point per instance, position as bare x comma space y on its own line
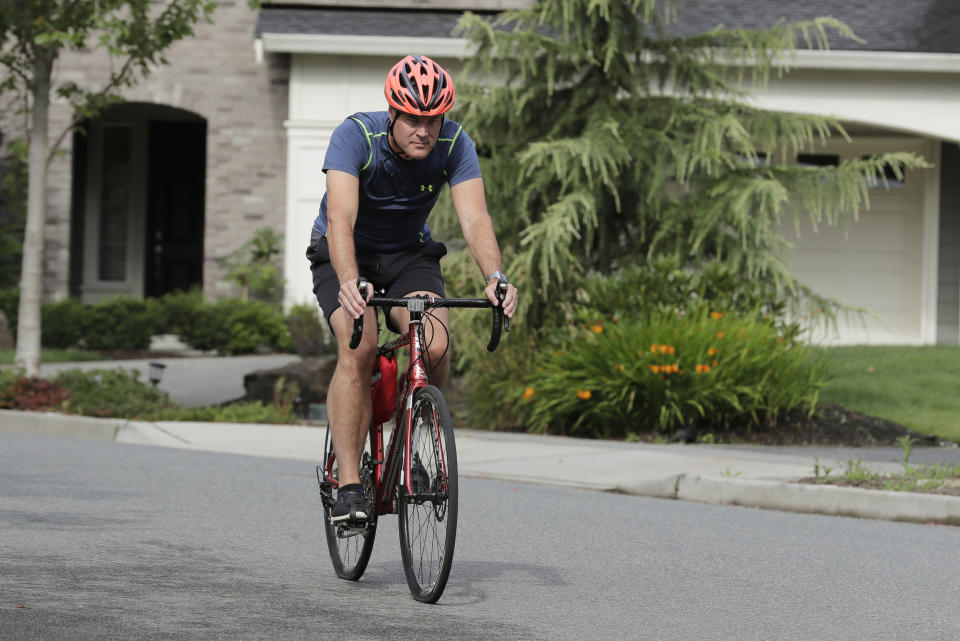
360, 359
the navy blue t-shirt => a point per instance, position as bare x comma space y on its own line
396, 195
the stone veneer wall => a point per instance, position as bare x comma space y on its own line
216, 76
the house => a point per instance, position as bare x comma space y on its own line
230, 138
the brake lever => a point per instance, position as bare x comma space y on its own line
357, 335
502, 296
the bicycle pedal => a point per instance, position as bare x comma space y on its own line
348, 531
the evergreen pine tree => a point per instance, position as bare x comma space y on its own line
609, 140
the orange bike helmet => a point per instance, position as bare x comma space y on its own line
418, 85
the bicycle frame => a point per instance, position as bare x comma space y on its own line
387, 470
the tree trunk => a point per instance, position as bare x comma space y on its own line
31, 274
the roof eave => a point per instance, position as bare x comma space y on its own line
369, 45
875, 60
358, 45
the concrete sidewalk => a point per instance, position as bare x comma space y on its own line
709, 474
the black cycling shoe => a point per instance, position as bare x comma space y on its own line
351, 505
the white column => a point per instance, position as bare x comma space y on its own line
307, 143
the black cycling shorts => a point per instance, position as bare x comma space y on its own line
399, 273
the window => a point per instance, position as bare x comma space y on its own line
818, 160
115, 197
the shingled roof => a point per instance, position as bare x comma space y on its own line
885, 25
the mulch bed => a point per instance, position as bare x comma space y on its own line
830, 424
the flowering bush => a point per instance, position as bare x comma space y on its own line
706, 368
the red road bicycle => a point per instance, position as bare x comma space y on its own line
416, 476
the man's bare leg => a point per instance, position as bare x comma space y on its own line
348, 398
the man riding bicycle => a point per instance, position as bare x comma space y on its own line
384, 174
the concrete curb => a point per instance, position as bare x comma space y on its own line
832, 500
101, 429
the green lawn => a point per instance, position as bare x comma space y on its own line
54, 356
918, 387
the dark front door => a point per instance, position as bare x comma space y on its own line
175, 198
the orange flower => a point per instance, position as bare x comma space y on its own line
714, 363
584, 394
640, 353
668, 349
719, 334
716, 315
528, 393
655, 348
596, 328
712, 351
620, 368
702, 369
654, 368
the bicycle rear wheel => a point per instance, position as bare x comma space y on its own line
428, 515
349, 547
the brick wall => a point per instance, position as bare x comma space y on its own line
216, 76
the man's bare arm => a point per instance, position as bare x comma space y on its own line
471, 206
343, 198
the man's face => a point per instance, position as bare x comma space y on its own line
415, 135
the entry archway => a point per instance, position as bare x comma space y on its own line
138, 202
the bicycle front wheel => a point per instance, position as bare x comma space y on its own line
350, 547
428, 512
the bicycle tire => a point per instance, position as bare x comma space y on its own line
428, 516
350, 548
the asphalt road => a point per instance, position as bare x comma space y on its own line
106, 541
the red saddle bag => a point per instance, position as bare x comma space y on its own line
384, 388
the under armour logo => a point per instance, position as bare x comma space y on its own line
426, 188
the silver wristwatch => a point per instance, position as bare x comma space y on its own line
495, 274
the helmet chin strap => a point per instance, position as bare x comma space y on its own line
390, 136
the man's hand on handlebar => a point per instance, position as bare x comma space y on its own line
509, 300
351, 299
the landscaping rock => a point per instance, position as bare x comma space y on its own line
6, 340
312, 375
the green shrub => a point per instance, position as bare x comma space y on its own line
232, 326
178, 310
7, 378
120, 323
309, 335
708, 368
254, 267
64, 323
663, 286
112, 393
243, 412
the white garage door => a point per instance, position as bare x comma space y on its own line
878, 262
